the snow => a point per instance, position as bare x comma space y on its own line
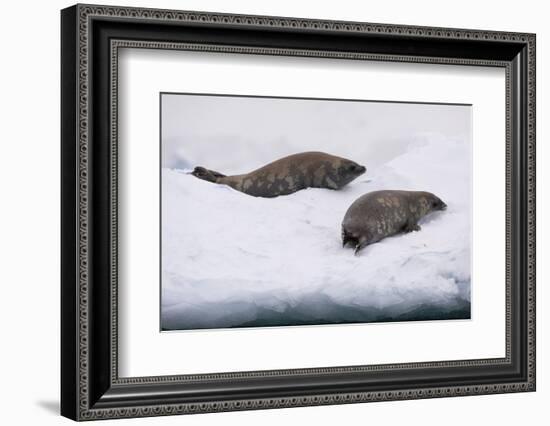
232, 260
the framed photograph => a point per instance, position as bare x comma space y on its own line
263, 212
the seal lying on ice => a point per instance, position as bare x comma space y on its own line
380, 214
289, 174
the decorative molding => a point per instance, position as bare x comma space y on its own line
83, 213
531, 205
302, 401
301, 23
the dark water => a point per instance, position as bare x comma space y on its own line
420, 313
321, 312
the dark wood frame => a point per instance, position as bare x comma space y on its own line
91, 37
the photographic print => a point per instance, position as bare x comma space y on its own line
298, 211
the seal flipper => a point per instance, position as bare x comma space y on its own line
208, 175
363, 242
411, 226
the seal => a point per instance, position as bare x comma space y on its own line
380, 214
289, 174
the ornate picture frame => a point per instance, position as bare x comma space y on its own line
91, 37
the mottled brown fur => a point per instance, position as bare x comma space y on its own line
290, 174
380, 214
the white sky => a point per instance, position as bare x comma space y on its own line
238, 134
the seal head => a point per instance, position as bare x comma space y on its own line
347, 172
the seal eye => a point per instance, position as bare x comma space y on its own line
356, 168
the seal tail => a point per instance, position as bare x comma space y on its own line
208, 175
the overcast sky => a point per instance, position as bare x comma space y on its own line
238, 134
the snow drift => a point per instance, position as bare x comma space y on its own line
232, 260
